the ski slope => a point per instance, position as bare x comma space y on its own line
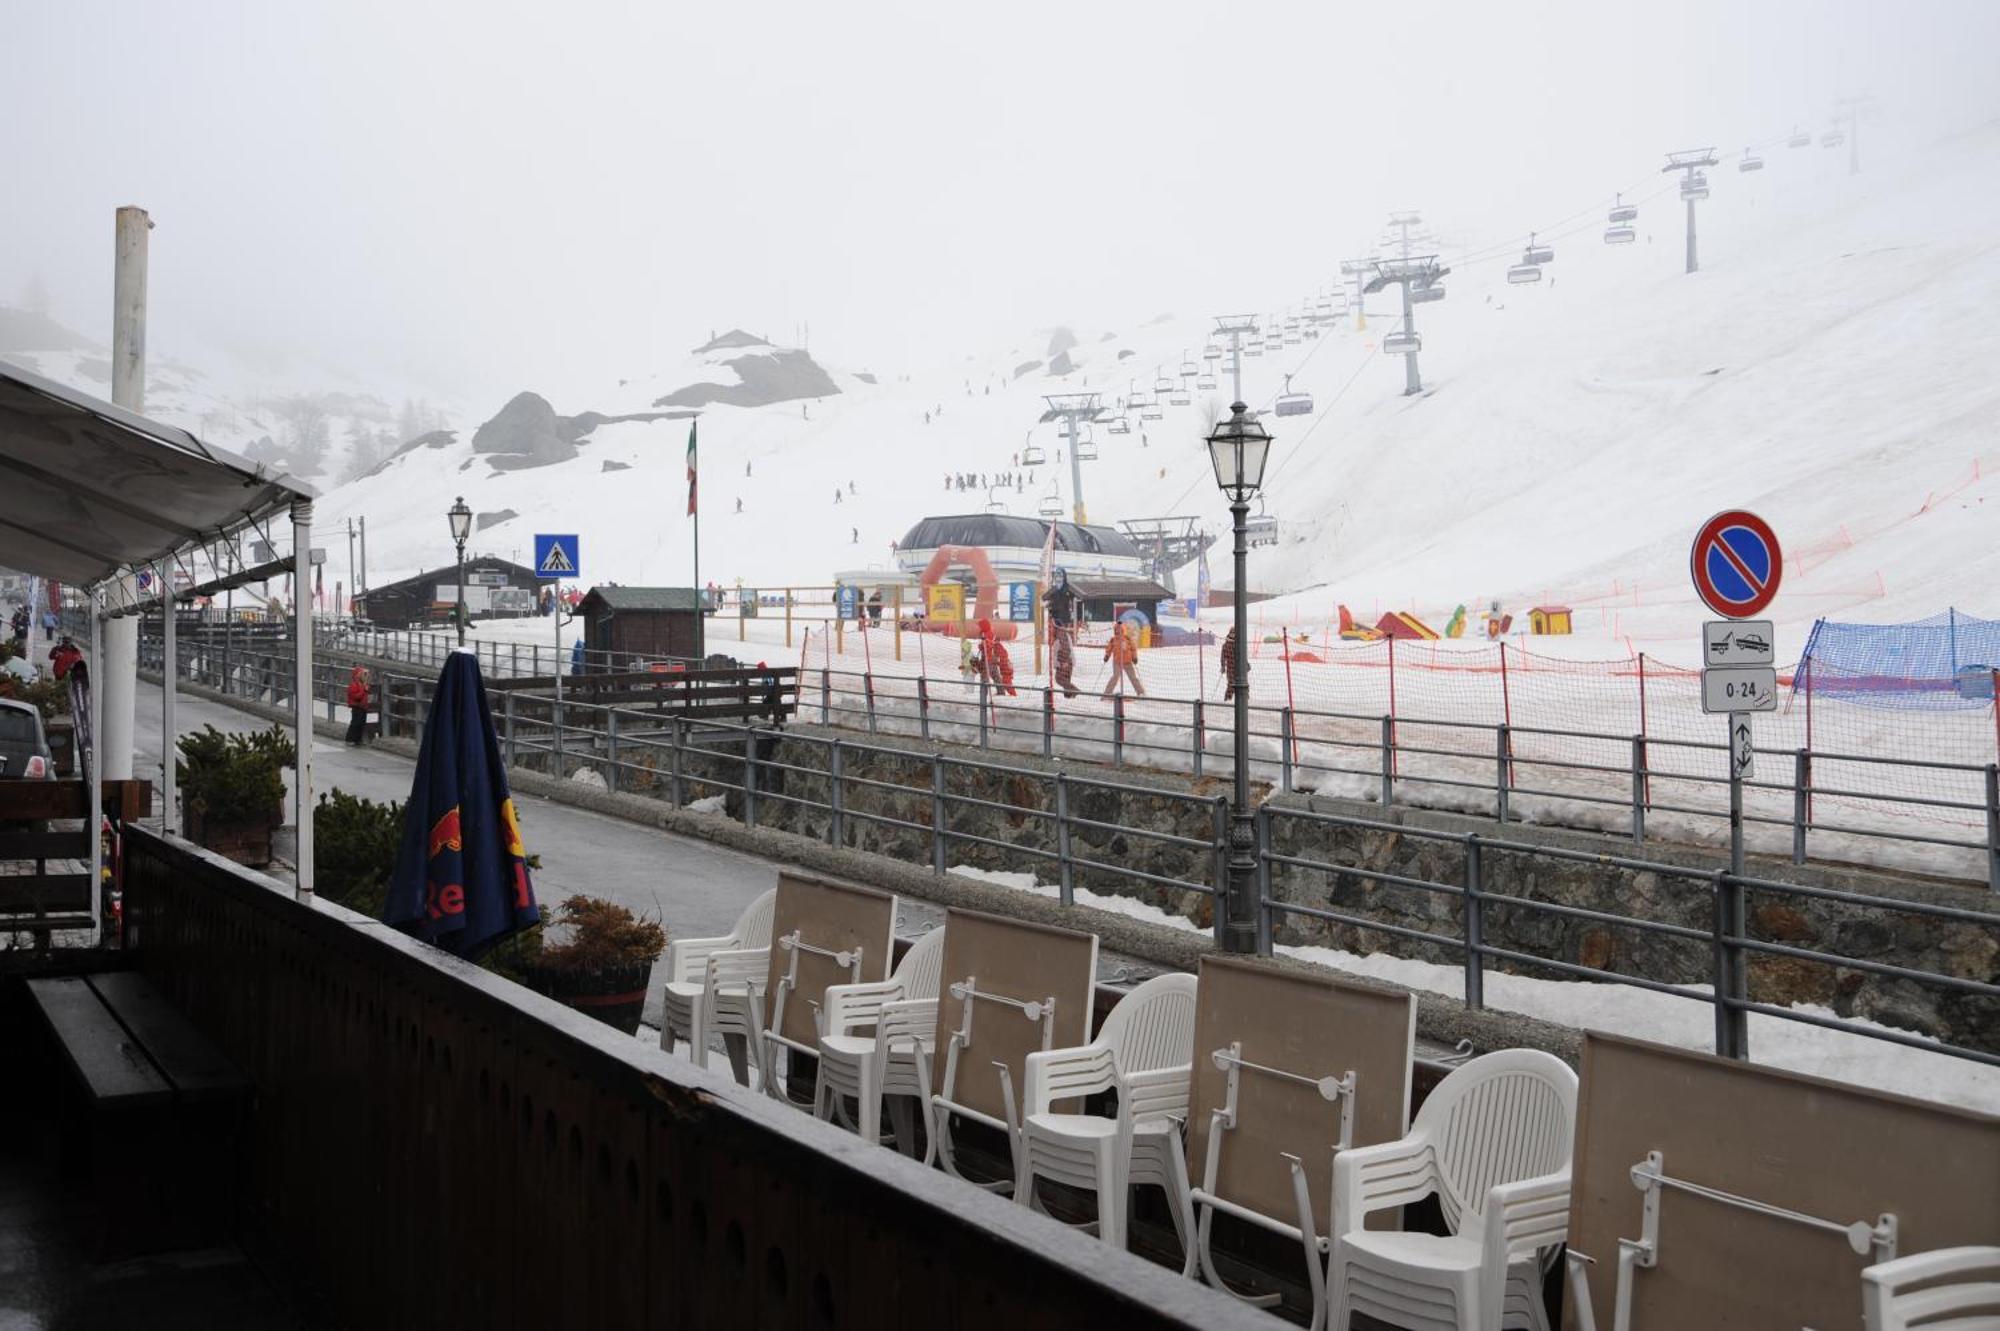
1828, 367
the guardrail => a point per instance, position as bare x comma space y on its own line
1582, 778
1727, 940
754, 766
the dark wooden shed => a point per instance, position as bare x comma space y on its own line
655, 622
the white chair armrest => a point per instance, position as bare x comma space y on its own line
738, 968
911, 1021
1523, 1217
852, 1005
1155, 1093
1375, 1178
687, 958
1063, 1074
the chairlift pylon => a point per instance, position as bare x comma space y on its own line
1293, 404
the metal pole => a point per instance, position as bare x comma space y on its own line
302, 643
117, 669
1801, 783
88, 767
1691, 263
1240, 935
1077, 512
1413, 382
1475, 927
362, 576
1236, 376
169, 723
461, 593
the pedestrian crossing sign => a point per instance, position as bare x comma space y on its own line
555, 556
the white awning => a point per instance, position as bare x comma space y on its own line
87, 489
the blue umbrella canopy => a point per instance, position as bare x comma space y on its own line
461, 878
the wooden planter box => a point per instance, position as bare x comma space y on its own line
615, 997
244, 841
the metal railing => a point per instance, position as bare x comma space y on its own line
921, 818
1577, 777
1727, 939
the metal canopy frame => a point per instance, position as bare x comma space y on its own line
90, 495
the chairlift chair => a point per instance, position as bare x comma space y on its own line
1033, 456
1833, 138
1750, 162
1292, 339
1086, 449
1401, 343
1619, 235
1799, 139
1622, 212
1522, 273
1260, 528
1206, 383
1150, 410
1162, 386
1293, 404
1537, 253
1051, 505
1188, 368
1118, 425
1695, 186
1253, 348
1426, 295
1211, 352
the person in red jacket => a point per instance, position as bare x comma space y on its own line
359, 696
993, 662
62, 656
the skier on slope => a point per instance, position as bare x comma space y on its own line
992, 661
1123, 653
1064, 610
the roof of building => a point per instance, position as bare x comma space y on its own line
449, 573
1004, 529
90, 488
614, 597
1120, 589
1551, 610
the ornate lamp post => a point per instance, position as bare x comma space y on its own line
461, 528
1238, 448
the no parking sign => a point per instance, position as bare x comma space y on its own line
1736, 563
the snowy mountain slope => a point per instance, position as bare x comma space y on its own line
1828, 367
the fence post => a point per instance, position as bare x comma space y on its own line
1500, 747
1200, 735
611, 749
1048, 722
825, 697
507, 725
982, 711
937, 813
1475, 925
1285, 749
1065, 871
868, 691
833, 822
1219, 842
750, 777
1993, 826
1801, 797
1265, 929
1732, 1034
556, 731
1118, 730
1638, 790
676, 738
923, 708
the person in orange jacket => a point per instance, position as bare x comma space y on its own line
992, 660
359, 695
1123, 653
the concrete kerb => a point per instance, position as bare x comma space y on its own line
1442, 1020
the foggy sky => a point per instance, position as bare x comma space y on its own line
475, 198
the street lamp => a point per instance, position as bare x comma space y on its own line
1239, 447
461, 528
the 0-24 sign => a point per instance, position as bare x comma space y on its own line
1739, 689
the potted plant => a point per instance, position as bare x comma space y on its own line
233, 790
354, 850
599, 963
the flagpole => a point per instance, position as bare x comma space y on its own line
694, 511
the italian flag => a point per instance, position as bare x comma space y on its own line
691, 469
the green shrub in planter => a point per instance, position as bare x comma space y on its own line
354, 850
233, 789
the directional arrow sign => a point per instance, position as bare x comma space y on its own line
1742, 755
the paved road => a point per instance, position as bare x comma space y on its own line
694, 887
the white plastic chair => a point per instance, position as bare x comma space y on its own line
710, 994
1970, 1302
899, 1014
1144, 1054
1493, 1142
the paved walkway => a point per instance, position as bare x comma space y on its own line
695, 888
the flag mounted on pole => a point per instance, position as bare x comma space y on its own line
691, 469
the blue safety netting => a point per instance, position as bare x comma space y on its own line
1945, 662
